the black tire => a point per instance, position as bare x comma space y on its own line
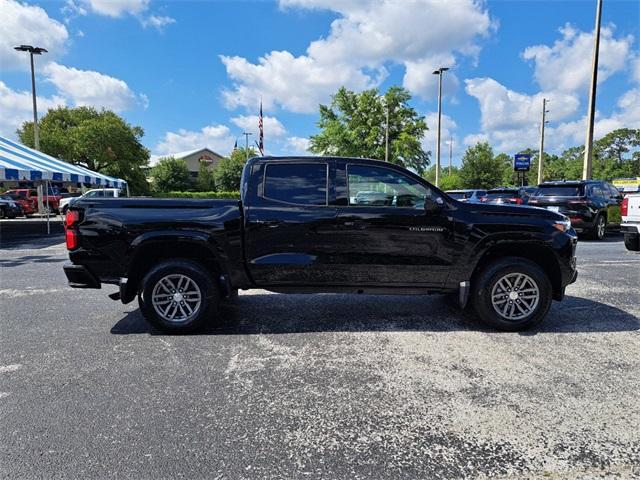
599, 228
2, 213
632, 242
196, 273
488, 278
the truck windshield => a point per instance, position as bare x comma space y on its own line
559, 191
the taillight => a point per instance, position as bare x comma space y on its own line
516, 200
71, 233
624, 208
71, 237
73, 217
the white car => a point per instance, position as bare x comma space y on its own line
65, 203
630, 226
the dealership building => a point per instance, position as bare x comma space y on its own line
193, 159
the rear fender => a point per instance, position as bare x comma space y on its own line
151, 248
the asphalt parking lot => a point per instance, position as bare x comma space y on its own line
317, 386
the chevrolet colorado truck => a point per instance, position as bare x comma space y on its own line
316, 224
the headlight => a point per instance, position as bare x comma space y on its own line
562, 225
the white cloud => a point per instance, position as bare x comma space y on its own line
157, 21
430, 139
511, 120
502, 108
566, 66
636, 68
473, 138
117, 8
17, 107
249, 123
297, 84
368, 34
216, 137
419, 77
297, 145
28, 24
86, 87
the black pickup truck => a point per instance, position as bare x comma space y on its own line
344, 225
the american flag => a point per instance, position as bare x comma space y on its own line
261, 134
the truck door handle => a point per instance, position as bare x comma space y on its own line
357, 224
269, 223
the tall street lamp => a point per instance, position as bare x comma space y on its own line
33, 51
439, 72
588, 144
541, 155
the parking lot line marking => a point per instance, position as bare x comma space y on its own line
10, 368
15, 293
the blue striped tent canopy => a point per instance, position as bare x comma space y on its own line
18, 162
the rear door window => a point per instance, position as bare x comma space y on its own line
296, 183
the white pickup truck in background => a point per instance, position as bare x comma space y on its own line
95, 193
630, 226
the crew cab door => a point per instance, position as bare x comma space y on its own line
386, 236
289, 222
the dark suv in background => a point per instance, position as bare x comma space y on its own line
591, 205
508, 195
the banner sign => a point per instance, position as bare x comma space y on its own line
522, 162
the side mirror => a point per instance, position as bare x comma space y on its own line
433, 205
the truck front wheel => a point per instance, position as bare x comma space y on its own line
179, 296
512, 294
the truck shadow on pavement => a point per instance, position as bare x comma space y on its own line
282, 314
18, 261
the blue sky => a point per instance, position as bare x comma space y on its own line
192, 73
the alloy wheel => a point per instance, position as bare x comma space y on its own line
515, 296
176, 298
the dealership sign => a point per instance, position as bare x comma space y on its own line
522, 162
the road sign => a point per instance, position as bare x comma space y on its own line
522, 162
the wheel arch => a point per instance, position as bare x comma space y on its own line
151, 250
539, 254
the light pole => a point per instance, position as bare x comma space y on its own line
246, 143
450, 154
541, 156
439, 72
386, 131
33, 51
588, 144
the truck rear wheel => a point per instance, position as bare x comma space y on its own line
179, 296
512, 294
632, 241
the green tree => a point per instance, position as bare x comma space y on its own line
206, 178
170, 174
98, 140
229, 171
449, 179
480, 169
354, 125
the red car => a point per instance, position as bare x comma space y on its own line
28, 198
28, 206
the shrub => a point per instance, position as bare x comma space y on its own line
228, 195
